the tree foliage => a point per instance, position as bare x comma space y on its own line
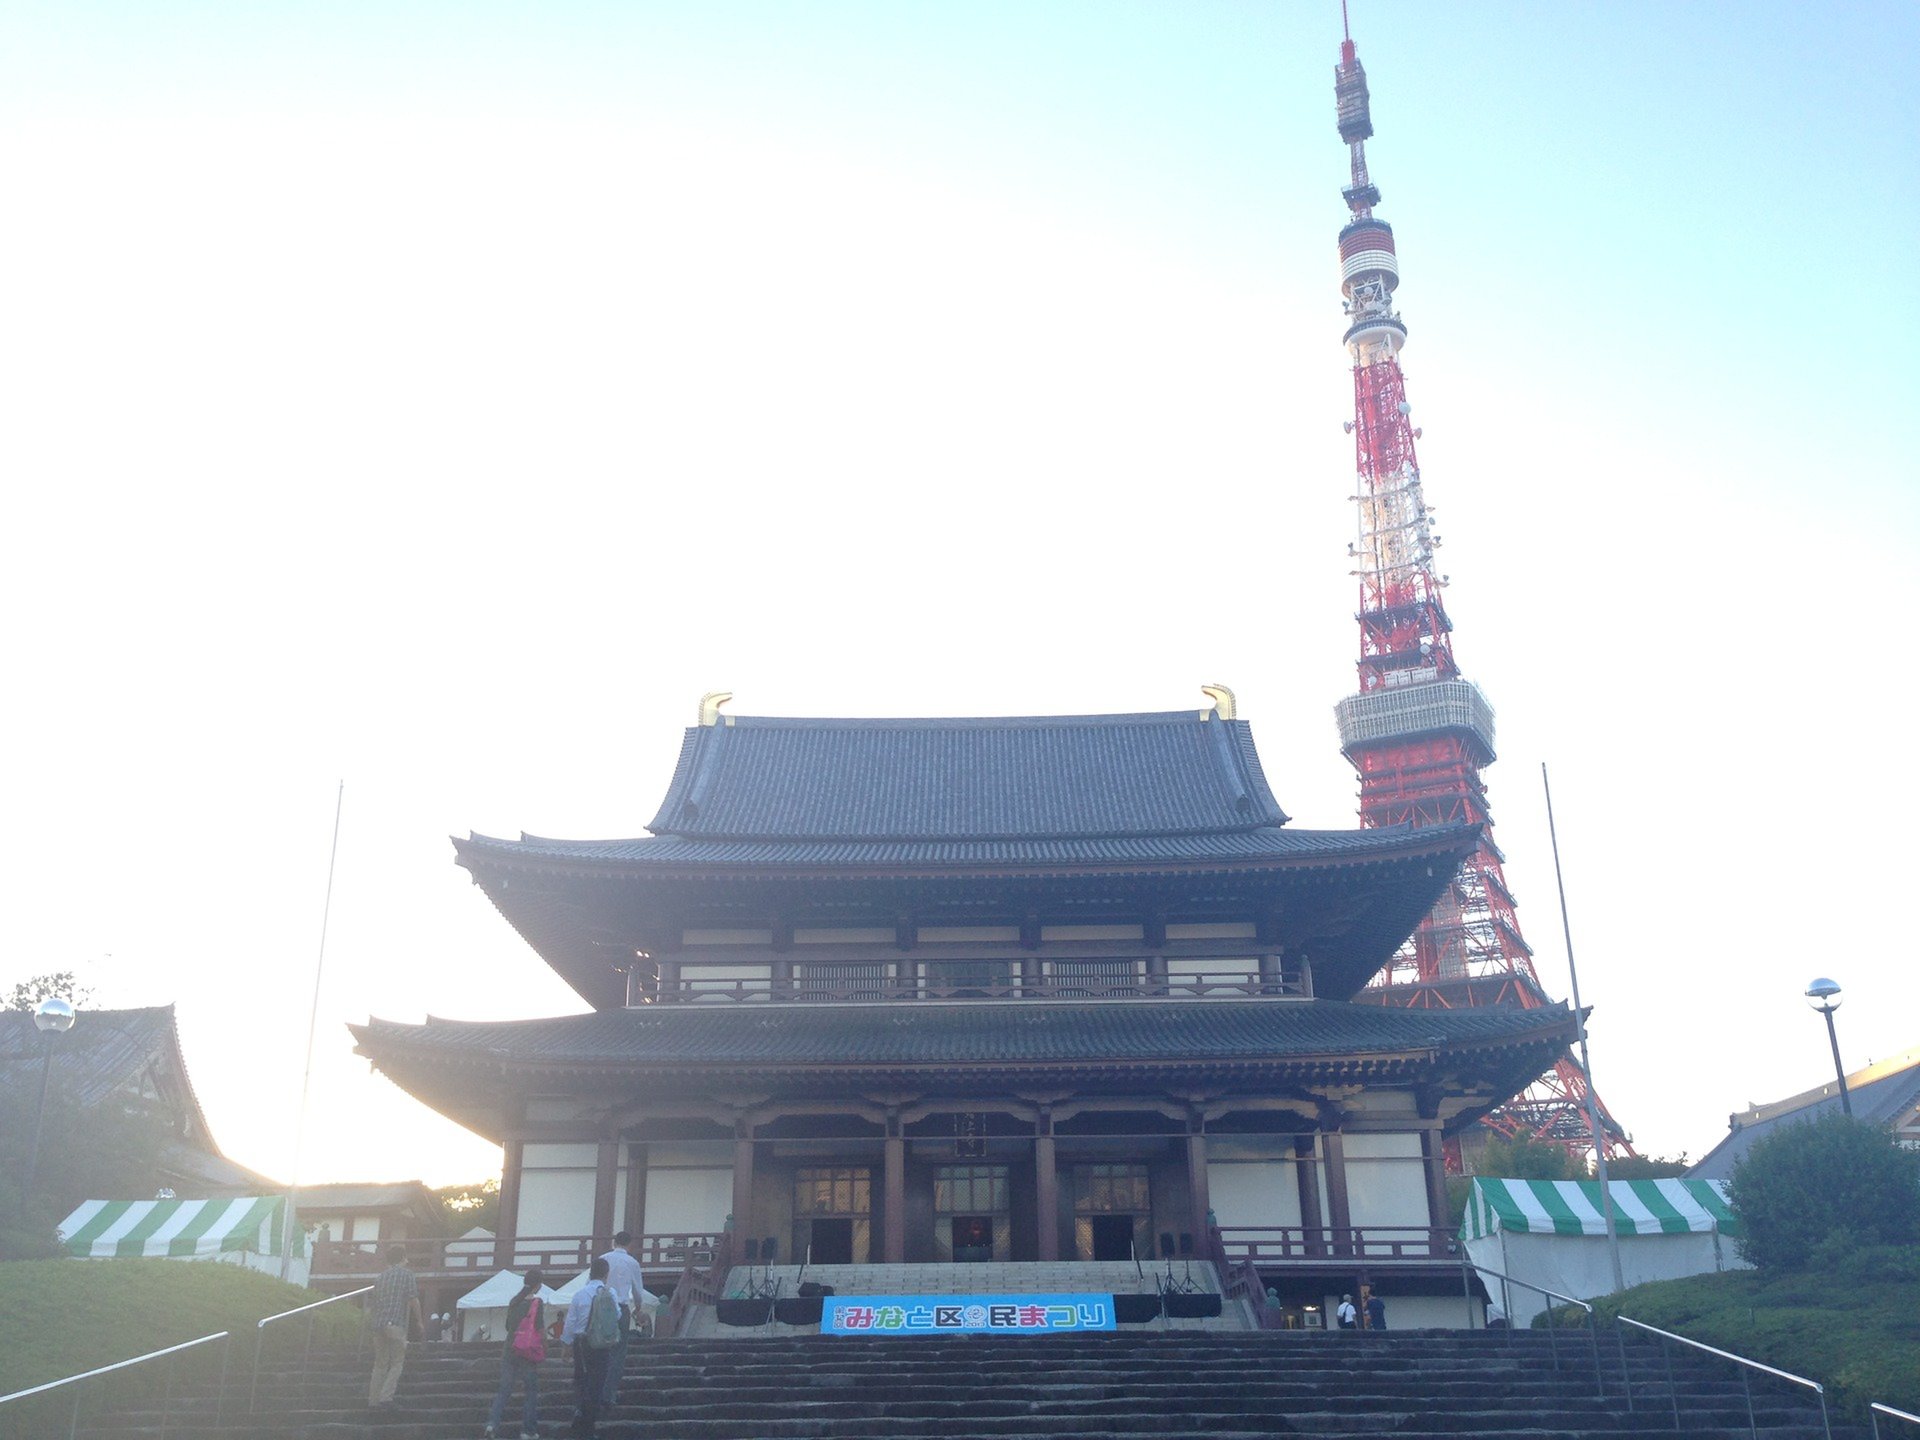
109, 1151
55, 984
469, 1205
1523, 1158
1815, 1190
1648, 1167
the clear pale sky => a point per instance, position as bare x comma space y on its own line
442, 397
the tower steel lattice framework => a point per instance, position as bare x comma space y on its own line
1418, 732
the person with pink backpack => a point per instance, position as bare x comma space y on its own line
520, 1360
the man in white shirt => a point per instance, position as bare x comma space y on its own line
626, 1282
1346, 1315
589, 1362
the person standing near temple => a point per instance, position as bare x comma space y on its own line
592, 1328
626, 1281
1346, 1315
520, 1360
395, 1316
1376, 1312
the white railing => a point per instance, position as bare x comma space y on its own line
166, 1409
1876, 1410
1668, 1338
306, 1358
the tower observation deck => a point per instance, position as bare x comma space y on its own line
1416, 730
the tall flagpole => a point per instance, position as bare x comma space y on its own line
1586, 1065
290, 1220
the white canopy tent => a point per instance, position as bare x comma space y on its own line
566, 1292
1552, 1234
484, 1308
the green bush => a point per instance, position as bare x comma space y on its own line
1852, 1327
1817, 1191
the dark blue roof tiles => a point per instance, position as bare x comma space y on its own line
1041, 778
668, 852
960, 1035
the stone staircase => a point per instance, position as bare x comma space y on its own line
1415, 1385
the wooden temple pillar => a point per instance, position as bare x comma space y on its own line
1339, 1212
634, 1218
742, 1179
1433, 1155
507, 1227
1312, 1220
606, 1179
1046, 1187
1199, 1202
893, 1233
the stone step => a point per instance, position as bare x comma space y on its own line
1410, 1385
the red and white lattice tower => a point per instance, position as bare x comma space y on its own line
1418, 732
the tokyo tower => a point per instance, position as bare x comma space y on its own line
1418, 732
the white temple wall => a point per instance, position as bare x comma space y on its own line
1386, 1180
556, 1188
689, 1187
1254, 1192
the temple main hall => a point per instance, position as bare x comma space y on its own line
954, 991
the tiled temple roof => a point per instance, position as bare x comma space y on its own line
1034, 779
467, 1068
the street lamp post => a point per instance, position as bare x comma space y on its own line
1824, 995
51, 1017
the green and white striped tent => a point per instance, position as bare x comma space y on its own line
177, 1229
1572, 1207
1551, 1234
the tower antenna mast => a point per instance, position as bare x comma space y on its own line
1417, 731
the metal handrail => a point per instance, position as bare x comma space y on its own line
1673, 1392
317, 1304
73, 1425
306, 1360
1467, 1267
1528, 1285
1876, 1410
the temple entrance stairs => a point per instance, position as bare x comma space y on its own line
1424, 1385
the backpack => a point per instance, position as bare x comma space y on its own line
603, 1322
528, 1342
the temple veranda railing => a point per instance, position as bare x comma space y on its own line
803, 980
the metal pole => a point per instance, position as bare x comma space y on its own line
1673, 1388
1586, 1064
289, 1220
1593, 1339
1839, 1070
40, 1111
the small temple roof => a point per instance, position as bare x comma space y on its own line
1071, 777
466, 1068
1885, 1093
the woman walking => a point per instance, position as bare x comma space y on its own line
520, 1360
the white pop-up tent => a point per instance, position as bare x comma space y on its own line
566, 1292
1551, 1233
484, 1308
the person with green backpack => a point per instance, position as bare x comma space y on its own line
593, 1329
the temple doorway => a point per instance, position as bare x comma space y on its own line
832, 1215
1112, 1237
1112, 1212
829, 1242
971, 1209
